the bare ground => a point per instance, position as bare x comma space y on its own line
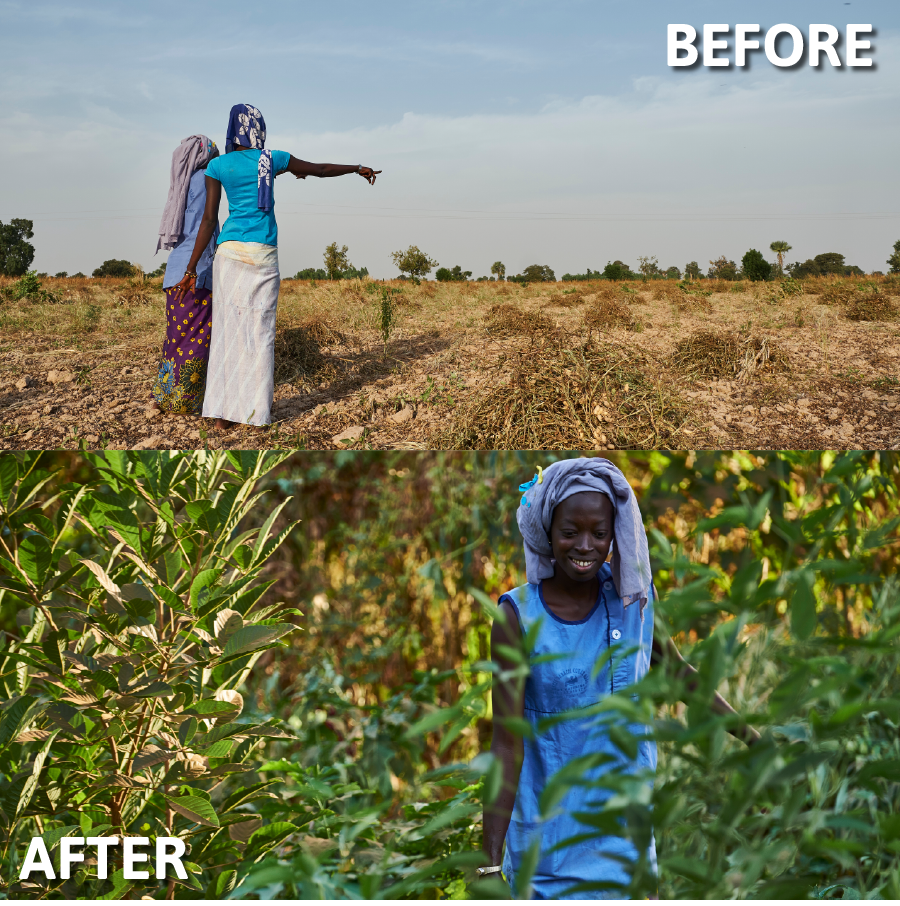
76, 369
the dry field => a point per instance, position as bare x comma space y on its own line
574, 366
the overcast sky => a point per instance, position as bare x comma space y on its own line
531, 132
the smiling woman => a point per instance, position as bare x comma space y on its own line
586, 627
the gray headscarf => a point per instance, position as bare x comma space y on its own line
630, 556
194, 152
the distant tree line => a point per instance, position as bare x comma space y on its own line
17, 254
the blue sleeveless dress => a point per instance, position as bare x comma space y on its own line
562, 685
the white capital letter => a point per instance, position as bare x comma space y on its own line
742, 45
102, 844
174, 858
817, 44
67, 857
711, 45
687, 43
854, 45
796, 53
37, 859
129, 857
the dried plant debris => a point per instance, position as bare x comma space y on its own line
870, 307
719, 355
505, 319
606, 312
559, 397
298, 352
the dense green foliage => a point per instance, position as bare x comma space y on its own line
777, 578
535, 273
828, 263
16, 252
452, 275
893, 261
114, 267
755, 267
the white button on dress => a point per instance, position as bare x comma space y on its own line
616, 634
607, 585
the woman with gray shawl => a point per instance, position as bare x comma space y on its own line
181, 380
587, 619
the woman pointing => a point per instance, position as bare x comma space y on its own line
240, 379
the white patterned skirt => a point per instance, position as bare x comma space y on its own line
240, 378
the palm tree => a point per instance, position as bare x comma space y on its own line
781, 248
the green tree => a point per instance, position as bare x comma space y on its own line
454, 275
498, 269
16, 253
755, 267
781, 248
115, 267
723, 269
61, 274
830, 263
692, 271
139, 619
537, 273
336, 261
648, 266
617, 270
413, 262
894, 260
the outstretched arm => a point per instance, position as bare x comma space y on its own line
303, 168
507, 699
667, 651
207, 227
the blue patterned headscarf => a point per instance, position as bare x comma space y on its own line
247, 128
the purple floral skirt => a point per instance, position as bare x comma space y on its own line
181, 381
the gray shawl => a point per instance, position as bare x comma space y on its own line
194, 152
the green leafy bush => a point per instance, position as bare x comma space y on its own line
139, 619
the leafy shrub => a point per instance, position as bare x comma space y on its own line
139, 621
16, 253
115, 267
452, 275
755, 267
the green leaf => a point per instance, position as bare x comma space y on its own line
251, 637
31, 783
194, 809
201, 585
53, 646
803, 607
154, 690
35, 558
207, 707
13, 718
187, 730
222, 885
8, 475
267, 838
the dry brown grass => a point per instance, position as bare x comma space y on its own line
560, 397
721, 354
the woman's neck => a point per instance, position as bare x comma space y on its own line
568, 599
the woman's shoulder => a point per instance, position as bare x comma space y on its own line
521, 596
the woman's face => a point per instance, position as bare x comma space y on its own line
581, 534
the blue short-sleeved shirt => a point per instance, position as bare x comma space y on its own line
237, 173
181, 254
